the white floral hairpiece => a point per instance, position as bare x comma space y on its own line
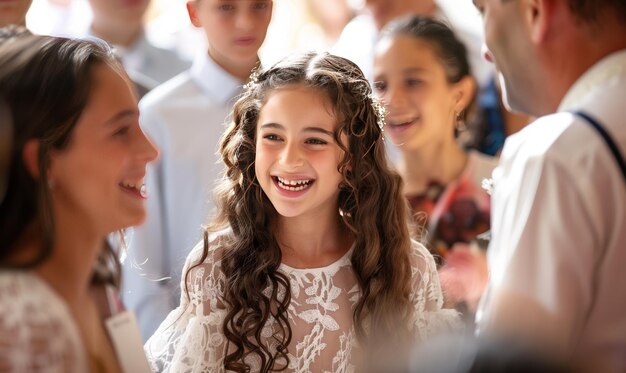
380, 110
253, 80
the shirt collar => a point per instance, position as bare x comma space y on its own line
214, 81
608, 68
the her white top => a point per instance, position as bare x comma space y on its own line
37, 331
320, 314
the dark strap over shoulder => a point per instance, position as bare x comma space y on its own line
607, 139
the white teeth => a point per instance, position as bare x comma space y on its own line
292, 182
293, 185
140, 186
143, 191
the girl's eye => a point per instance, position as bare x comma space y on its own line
260, 6
316, 142
414, 82
380, 86
121, 131
272, 137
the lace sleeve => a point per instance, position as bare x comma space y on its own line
37, 333
430, 316
190, 339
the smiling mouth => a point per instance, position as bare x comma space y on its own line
400, 125
293, 185
138, 189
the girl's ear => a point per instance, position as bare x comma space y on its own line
30, 156
192, 10
465, 91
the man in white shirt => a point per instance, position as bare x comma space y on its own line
559, 201
186, 118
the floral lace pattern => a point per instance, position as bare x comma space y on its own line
37, 332
191, 338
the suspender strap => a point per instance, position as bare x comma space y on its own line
607, 138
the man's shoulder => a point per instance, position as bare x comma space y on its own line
171, 93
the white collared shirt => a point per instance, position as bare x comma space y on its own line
559, 229
186, 118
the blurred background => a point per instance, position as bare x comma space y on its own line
296, 24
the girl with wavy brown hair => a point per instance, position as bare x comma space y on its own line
309, 262
75, 170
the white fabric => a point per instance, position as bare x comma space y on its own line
358, 40
559, 228
320, 315
186, 118
37, 331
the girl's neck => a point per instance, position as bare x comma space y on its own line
70, 266
441, 163
312, 242
239, 69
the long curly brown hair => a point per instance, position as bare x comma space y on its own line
370, 203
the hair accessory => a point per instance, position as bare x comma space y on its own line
380, 110
253, 80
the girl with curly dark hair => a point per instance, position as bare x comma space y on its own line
309, 261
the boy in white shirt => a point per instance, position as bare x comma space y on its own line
186, 117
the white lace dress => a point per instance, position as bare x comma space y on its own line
190, 339
37, 332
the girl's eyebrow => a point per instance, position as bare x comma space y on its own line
306, 129
122, 115
414, 70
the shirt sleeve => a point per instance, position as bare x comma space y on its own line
430, 316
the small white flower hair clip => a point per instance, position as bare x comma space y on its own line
380, 110
253, 80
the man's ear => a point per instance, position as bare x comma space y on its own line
30, 156
539, 18
465, 92
192, 10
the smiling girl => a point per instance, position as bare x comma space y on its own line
75, 176
423, 75
310, 260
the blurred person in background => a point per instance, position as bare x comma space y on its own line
186, 118
423, 76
